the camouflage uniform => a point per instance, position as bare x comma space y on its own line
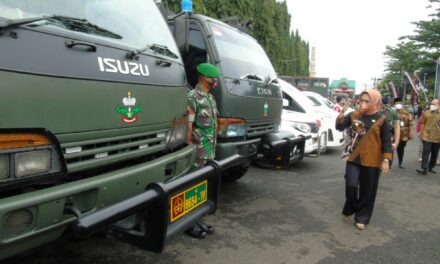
391, 116
202, 110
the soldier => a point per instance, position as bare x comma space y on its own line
406, 128
202, 115
202, 127
392, 119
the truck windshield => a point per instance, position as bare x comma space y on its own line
136, 23
240, 54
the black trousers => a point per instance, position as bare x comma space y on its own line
360, 191
430, 152
401, 151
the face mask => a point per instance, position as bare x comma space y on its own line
398, 106
433, 107
212, 82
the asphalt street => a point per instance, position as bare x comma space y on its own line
292, 216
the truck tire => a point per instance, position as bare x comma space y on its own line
235, 174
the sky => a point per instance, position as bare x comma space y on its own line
351, 36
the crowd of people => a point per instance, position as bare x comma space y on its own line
376, 130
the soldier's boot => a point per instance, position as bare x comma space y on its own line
196, 232
207, 228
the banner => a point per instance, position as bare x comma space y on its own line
394, 89
412, 82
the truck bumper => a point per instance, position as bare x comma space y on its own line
246, 148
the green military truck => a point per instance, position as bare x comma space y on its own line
93, 102
248, 97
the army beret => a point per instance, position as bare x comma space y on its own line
208, 70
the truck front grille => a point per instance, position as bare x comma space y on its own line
254, 130
99, 152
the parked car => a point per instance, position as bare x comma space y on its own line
300, 118
335, 138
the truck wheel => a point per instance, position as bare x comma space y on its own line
235, 174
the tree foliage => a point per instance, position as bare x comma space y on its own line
288, 52
417, 53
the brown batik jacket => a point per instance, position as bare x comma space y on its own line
375, 145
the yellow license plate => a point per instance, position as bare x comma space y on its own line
186, 201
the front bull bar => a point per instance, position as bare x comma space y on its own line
154, 205
280, 149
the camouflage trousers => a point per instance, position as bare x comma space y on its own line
204, 153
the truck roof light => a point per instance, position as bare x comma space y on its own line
187, 6
10, 141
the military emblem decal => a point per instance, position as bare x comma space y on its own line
265, 109
129, 111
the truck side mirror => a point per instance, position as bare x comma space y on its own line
181, 31
285, 102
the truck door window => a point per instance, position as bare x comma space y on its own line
197, 54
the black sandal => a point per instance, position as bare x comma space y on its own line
196, 232
207, 228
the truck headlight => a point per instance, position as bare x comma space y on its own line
231, 127
303, 127
25, 155
32, 163
4, 167
177, 133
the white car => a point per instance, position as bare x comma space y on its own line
335, 138
300, 118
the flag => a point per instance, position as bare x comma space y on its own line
394, 89
422, 87
412, 82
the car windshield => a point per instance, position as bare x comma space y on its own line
240, 54
314, 100
132, 23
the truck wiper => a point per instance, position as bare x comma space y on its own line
83, 25
251, 77
72, 23
6, 23
156, 49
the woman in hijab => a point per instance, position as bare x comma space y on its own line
368, 152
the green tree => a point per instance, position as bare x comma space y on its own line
417, 53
